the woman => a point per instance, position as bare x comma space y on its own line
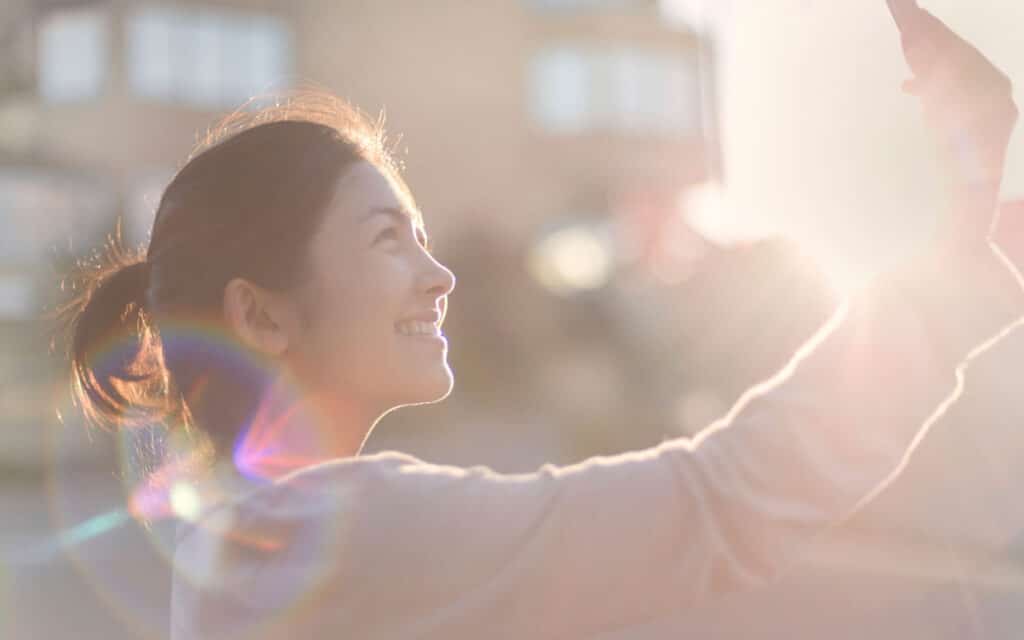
287, 301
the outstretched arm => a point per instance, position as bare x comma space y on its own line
433, 551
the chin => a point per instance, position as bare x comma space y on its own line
444, 386
430, 390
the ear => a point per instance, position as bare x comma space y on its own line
263, 320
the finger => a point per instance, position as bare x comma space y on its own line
936, 74
954, 70
923, 36
903, 13
950, 79
916, 23
946, 86
921, 56
925, 24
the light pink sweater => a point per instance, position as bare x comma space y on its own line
388, 546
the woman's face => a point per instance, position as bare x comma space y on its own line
370, 275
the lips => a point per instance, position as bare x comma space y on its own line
433, 317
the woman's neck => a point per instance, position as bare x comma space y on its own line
290, 431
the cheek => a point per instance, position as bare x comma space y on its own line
351, 325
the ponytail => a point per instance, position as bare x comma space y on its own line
117, 371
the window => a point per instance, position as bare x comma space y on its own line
653, 92
683, 14
73, 54
206, 57
689, 14
561, 90
588, 5
17, 296
43, 211
625, 89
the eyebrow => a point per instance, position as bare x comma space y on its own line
400, 215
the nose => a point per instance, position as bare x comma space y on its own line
438, 280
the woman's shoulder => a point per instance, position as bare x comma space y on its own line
384, 471
318, 491
267, 518
357, 500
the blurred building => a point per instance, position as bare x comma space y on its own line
547, 142
517, 117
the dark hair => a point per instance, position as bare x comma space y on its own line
146, 334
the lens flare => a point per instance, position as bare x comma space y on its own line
571, 260
277, 442
158, 468
185, 502
171, 488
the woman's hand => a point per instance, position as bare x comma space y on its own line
963, 284
968, 102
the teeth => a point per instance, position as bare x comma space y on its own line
417, 327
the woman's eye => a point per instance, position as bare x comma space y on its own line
390, 232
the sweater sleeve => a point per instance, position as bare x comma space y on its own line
570, 551
428, 551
